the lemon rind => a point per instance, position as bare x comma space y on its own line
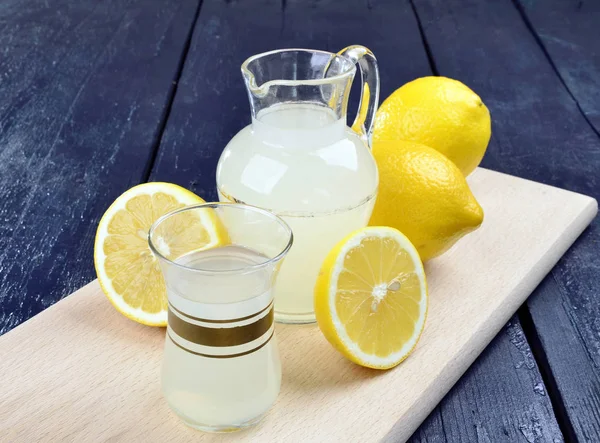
182, 195
352, 348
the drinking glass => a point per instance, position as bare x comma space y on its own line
221, 370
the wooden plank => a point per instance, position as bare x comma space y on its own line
481, 406
538, 133
569, 32
84, 88
81, 371
565, 314
211, 106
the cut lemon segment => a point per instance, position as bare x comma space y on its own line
128, 272
371, 297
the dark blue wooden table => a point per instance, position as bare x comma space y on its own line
97, 96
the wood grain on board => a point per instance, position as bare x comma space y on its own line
539, 132
82, 371
84, 89
211, 105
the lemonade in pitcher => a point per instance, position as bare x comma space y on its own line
301, 161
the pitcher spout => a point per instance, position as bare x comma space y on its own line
298, 75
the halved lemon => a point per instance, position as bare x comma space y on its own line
127, 270
371, 297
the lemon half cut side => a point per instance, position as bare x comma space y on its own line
371, 297
127, 270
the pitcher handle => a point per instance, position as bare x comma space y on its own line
369, 97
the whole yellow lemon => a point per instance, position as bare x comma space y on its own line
441, 113
423, 195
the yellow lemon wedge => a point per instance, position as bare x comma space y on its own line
128, 272
371, 297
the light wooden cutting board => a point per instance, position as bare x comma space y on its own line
80, 371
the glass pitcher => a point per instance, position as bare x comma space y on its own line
299, 159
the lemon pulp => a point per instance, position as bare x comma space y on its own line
371, 297
127, 270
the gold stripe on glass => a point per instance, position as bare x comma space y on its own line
208, 320
241, 354
220, 337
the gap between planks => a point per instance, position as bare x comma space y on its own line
548, 57
523, 313
560, 411
171, 97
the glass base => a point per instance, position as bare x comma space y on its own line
294, 319
217, 429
